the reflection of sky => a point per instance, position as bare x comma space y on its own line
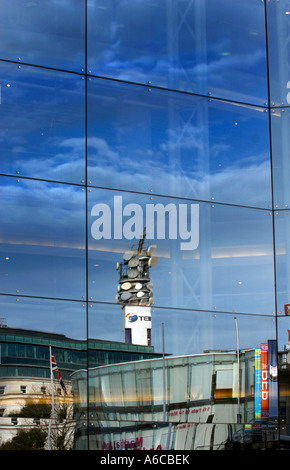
210, 43
186, 332
232, 269
47, 315
188, 147
43, 33
43, 237
177, 145
43, 110
278, 57
280, 139
191, 332
194, 332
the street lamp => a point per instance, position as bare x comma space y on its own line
238, 357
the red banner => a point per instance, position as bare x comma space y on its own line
264, 380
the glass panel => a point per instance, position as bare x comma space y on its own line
101, 317
162, 330
42, 239
200, 383
284, 364
209, 256
200, 347
280, 121
129, 381
182, 436
82, 422
182, 46
157, 382
282, 227
178, 388
198, 332
143, 384
278, 51
29, 332
283, 324
42, 129
176, 144
42, 33
207, 372
64, 319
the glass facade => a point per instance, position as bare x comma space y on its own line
144, 190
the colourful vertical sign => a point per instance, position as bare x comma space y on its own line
273, 378
264, 381
257, 383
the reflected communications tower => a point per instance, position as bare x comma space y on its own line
135, 292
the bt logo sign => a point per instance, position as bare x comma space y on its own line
132, 317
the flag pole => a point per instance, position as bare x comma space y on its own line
52, 399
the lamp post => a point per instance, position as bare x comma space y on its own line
164, 378
238, 357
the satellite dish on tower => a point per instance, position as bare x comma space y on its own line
126, 286
153, 261
151, 250
133, 272
125, 296
133, 262
127, 255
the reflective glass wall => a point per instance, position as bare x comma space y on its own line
154, 123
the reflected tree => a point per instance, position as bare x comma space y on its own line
31, 439
36, 436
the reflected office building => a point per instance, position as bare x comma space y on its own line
181, 403
151, 137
